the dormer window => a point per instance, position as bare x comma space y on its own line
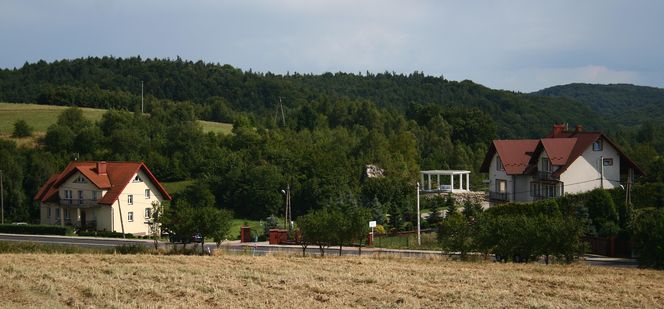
80, 179
137, 179
597, 145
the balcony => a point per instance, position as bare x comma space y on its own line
543, 175
498, 196
79, 203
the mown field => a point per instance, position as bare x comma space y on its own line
234, 281
40, 117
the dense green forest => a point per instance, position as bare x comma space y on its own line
329, 128
622, 103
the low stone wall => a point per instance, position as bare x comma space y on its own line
479, 197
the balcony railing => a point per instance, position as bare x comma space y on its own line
79, 203
498, 196
543, 175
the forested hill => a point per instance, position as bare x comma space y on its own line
221, 91
623, 103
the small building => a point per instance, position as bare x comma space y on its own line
561, 163
429, 184
104, 196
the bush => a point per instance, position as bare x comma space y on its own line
21, 129
35, 229
648, 236
105, 234
132, 249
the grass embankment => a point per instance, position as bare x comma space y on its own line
232, 281
40, 117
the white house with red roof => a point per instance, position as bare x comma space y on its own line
564, 162
106, 196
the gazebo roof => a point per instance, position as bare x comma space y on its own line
444, 172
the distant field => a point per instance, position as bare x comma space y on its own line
234, 281
216, 127
176, 186
40, 117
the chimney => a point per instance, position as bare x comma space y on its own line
579, 128
101, 167
558, 129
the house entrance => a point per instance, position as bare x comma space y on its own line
83, 219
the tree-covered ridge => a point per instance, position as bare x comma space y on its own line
221, 90
622, 103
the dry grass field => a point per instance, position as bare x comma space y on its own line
232, 281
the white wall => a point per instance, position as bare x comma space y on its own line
140, 202
495, 174
584, 173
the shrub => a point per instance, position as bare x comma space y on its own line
132, 249
105, 234
35, 229
379, 229
21, 129
648, 236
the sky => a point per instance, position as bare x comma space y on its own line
520, 45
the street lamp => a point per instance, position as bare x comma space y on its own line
288, 215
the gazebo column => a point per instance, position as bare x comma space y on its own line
452, 181
421, 181
467, 182
460, 181
429, 182
438, 183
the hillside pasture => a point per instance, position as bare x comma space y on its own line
40, 117
238, 281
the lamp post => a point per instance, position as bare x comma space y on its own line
287, 215
2, 198
419, 239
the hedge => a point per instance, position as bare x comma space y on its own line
105, 234
35, 229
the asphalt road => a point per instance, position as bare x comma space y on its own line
260, 249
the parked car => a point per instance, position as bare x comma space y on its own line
173, 238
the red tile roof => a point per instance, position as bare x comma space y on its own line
558, 149
116, 178
562, 147
515, 154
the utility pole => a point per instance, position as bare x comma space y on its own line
601, 171
141, 97
2, 198
419, 239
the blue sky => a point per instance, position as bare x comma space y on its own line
516, 45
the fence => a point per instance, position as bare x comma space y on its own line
407, 240
613, 246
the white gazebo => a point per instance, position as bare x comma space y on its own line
439, 187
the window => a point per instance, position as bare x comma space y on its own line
130, 216
535, 189
68, 194
130, 199
57, 213
499, 164
501, 186
147, 193
80, 179
94, 195
546, 165
48, 212
148, 213
608, 162
66, 211
597, 145
80, 197
137, 179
